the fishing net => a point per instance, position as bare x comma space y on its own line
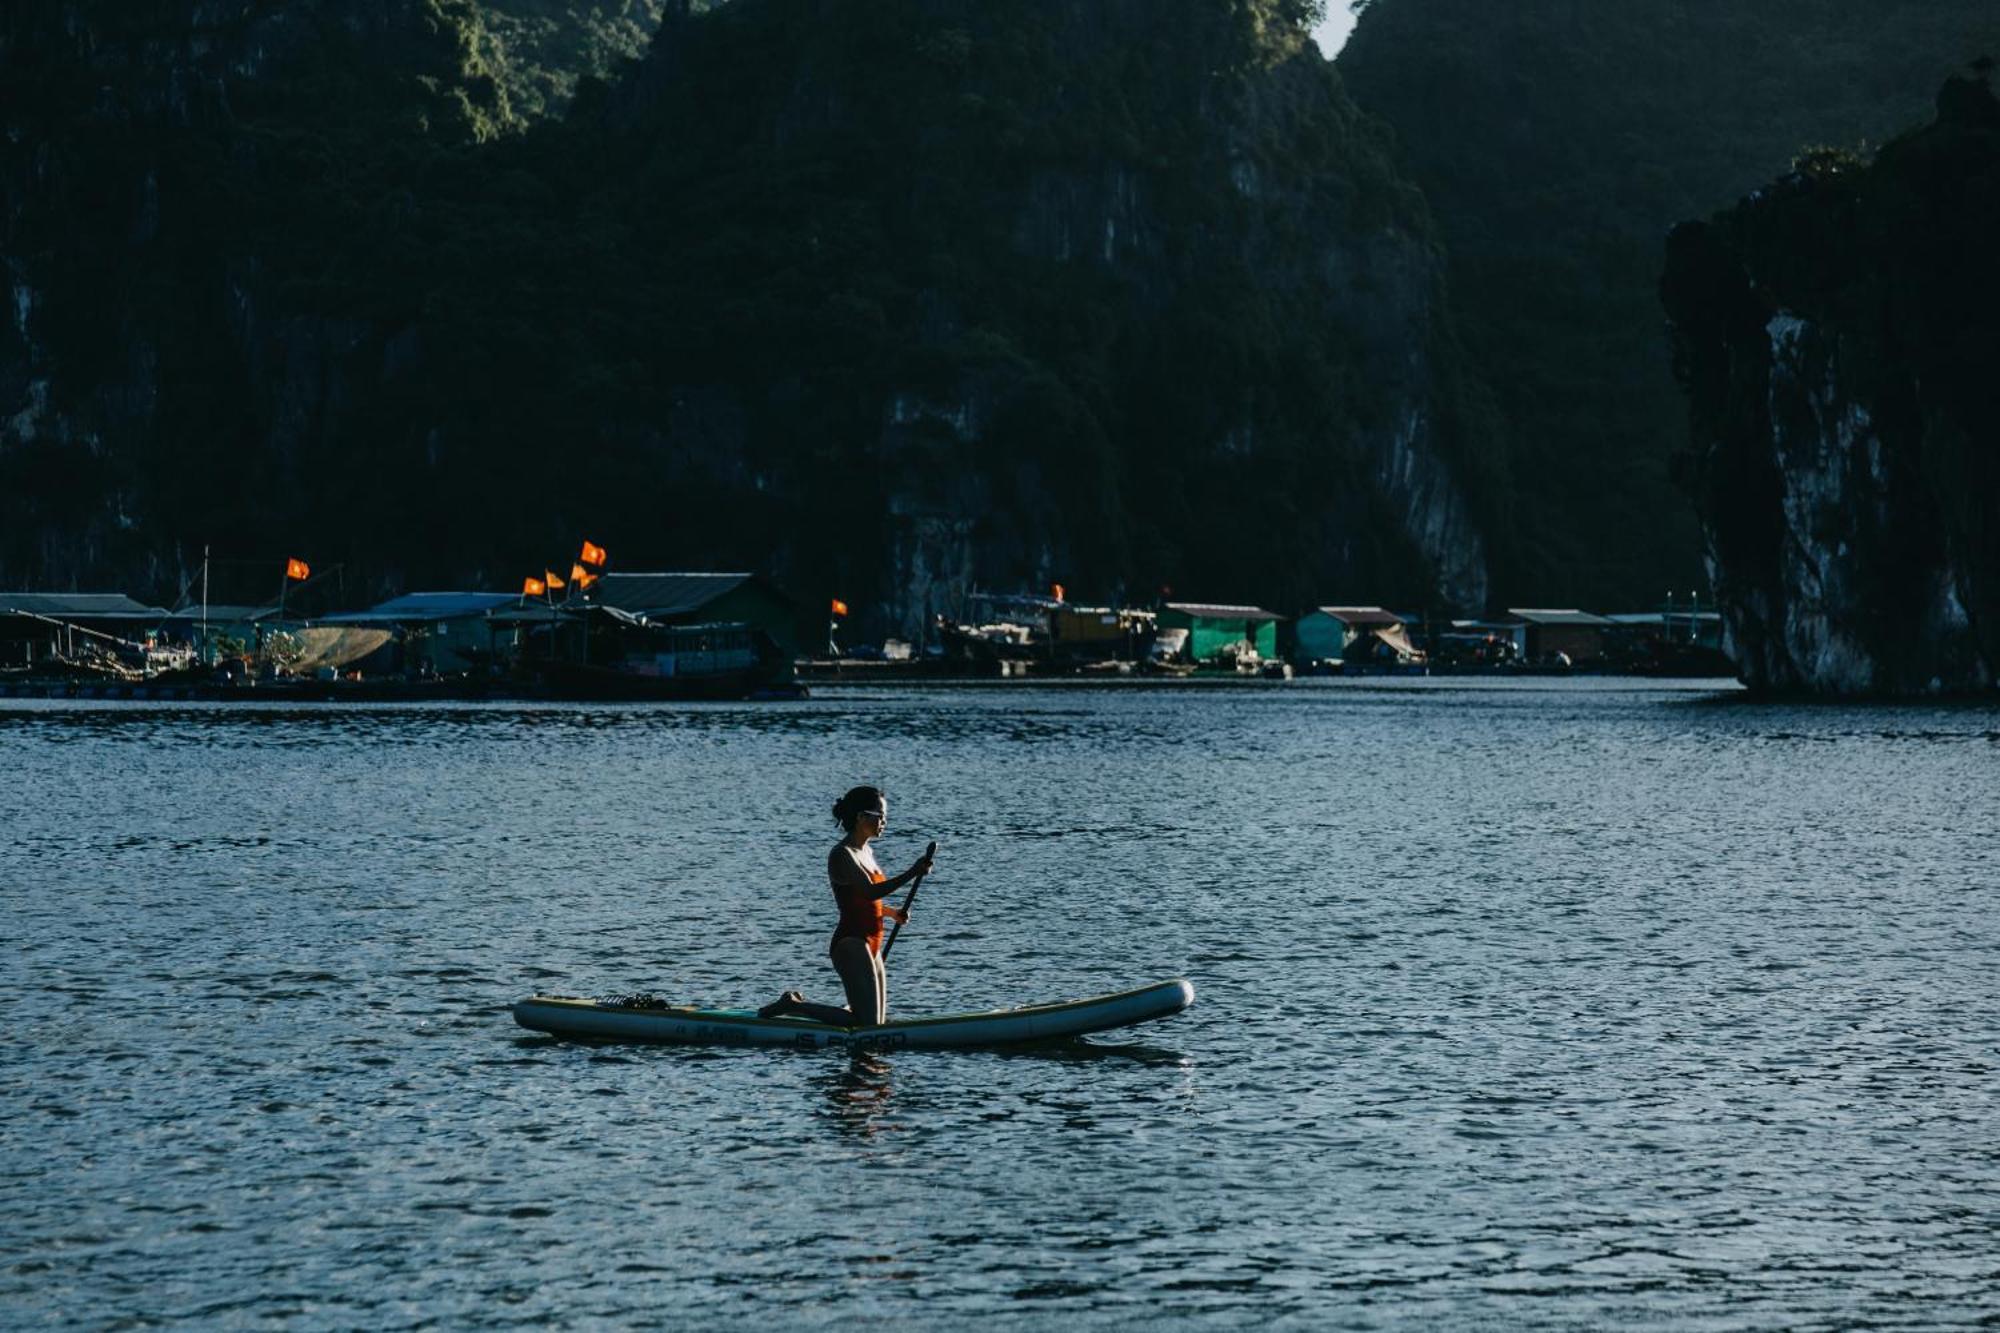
332, 646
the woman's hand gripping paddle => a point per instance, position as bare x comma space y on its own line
896, 930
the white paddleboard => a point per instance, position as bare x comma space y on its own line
569, 1017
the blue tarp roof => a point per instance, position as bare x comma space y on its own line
1655, 617
1555, 616
80, 605
418, 606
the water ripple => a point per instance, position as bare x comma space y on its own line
1556, 1005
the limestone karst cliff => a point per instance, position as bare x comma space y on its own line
1835, 333
890, 296
1558, 142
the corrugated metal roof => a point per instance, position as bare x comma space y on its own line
416, 606
1361, 615
225, 613
1214, 611
1548, 617
665, 594
80, 605
1656, 617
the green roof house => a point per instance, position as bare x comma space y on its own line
1213, 628
1334, 633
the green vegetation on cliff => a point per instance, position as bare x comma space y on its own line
547, 48
1557, 143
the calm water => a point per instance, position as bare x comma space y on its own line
1564, 1006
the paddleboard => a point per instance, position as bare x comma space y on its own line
566, 1016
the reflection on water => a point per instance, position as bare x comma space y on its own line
1566, 1004
858, 1094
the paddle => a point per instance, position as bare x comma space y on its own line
897, 929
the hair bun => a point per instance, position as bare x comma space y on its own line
857, 799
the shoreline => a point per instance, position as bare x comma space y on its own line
282, 696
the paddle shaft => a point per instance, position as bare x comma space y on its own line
897, 929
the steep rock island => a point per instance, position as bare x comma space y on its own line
1558, 143
1835, 333
886, 299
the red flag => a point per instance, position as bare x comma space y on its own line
593, 554
297, 569
839, 607
533, 587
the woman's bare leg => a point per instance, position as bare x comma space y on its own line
861, 973
881, 989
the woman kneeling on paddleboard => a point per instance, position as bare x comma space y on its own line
859, 886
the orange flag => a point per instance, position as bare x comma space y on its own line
593, 554
1057, 590
532, 587
549, 577
297, 569
839, 607
581, 577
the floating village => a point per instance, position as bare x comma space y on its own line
615, 636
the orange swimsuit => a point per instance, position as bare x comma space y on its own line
860, 915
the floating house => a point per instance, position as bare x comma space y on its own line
1543, 635
1475, 643
36, 627
1337, 633
585, 651
1700, 628
683, 599
1212, 629
1101, 633
110, 612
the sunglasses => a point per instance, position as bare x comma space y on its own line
879, 816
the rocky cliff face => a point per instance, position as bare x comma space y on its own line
1557, 143
888, 300
1835, 334
159, 386
977, 496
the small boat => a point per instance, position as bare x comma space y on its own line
1168, 655
640, 1020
